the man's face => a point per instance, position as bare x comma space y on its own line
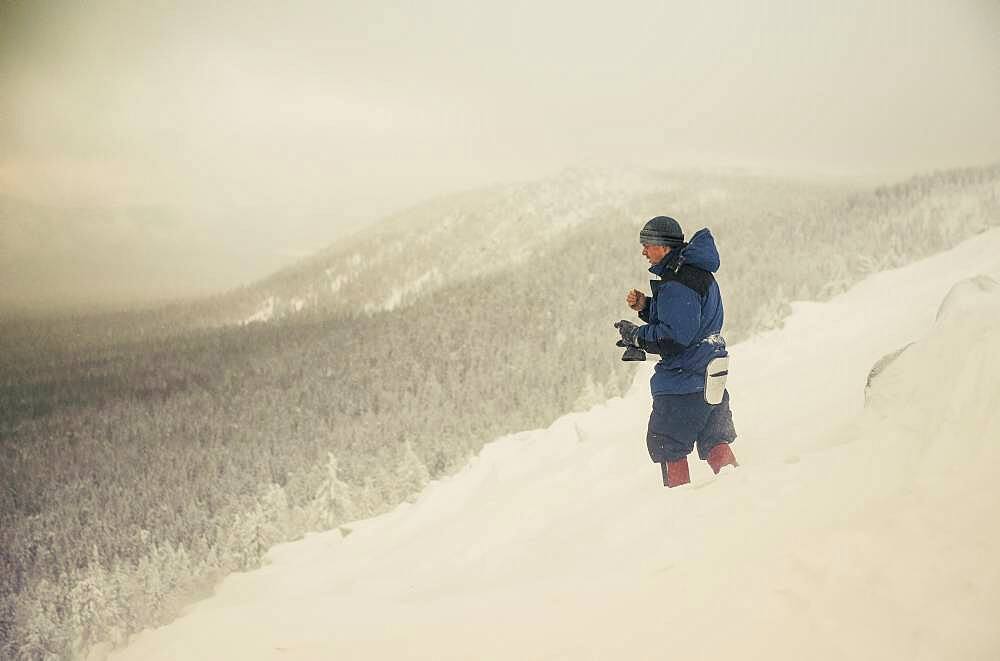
654, 253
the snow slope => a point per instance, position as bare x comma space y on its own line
847, 533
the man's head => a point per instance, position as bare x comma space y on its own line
654, 253
659, 236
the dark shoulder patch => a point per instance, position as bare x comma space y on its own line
691, 277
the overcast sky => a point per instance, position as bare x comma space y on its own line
334, 112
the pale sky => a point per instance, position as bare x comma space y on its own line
332, 112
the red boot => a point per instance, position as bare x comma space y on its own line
675, 473
721, 455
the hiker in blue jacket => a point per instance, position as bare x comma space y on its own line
683, 326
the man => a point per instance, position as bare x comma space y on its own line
683, 325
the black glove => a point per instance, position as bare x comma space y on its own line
629, 333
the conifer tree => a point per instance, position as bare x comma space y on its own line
333, 499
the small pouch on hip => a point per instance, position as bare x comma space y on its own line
715, 379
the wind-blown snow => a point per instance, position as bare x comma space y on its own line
847, 533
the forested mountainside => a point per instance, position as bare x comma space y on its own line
141, 460
398, 261
460, 237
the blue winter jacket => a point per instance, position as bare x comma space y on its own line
684, 317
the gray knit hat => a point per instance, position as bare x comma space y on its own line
662, 231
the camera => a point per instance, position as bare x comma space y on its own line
631, 353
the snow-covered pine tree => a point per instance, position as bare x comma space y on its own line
333, 501
412, 474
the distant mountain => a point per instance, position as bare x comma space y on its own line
455, 238
95, 258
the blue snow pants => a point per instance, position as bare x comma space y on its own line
679, 422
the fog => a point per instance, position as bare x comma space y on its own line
281, 126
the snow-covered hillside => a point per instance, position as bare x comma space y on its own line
849, 532
475, 232
436, 246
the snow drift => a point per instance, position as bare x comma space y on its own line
848, 532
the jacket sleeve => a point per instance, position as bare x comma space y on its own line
678, 318
644, 313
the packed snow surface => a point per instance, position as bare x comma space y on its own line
847, 532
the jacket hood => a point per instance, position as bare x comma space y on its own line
699, 252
